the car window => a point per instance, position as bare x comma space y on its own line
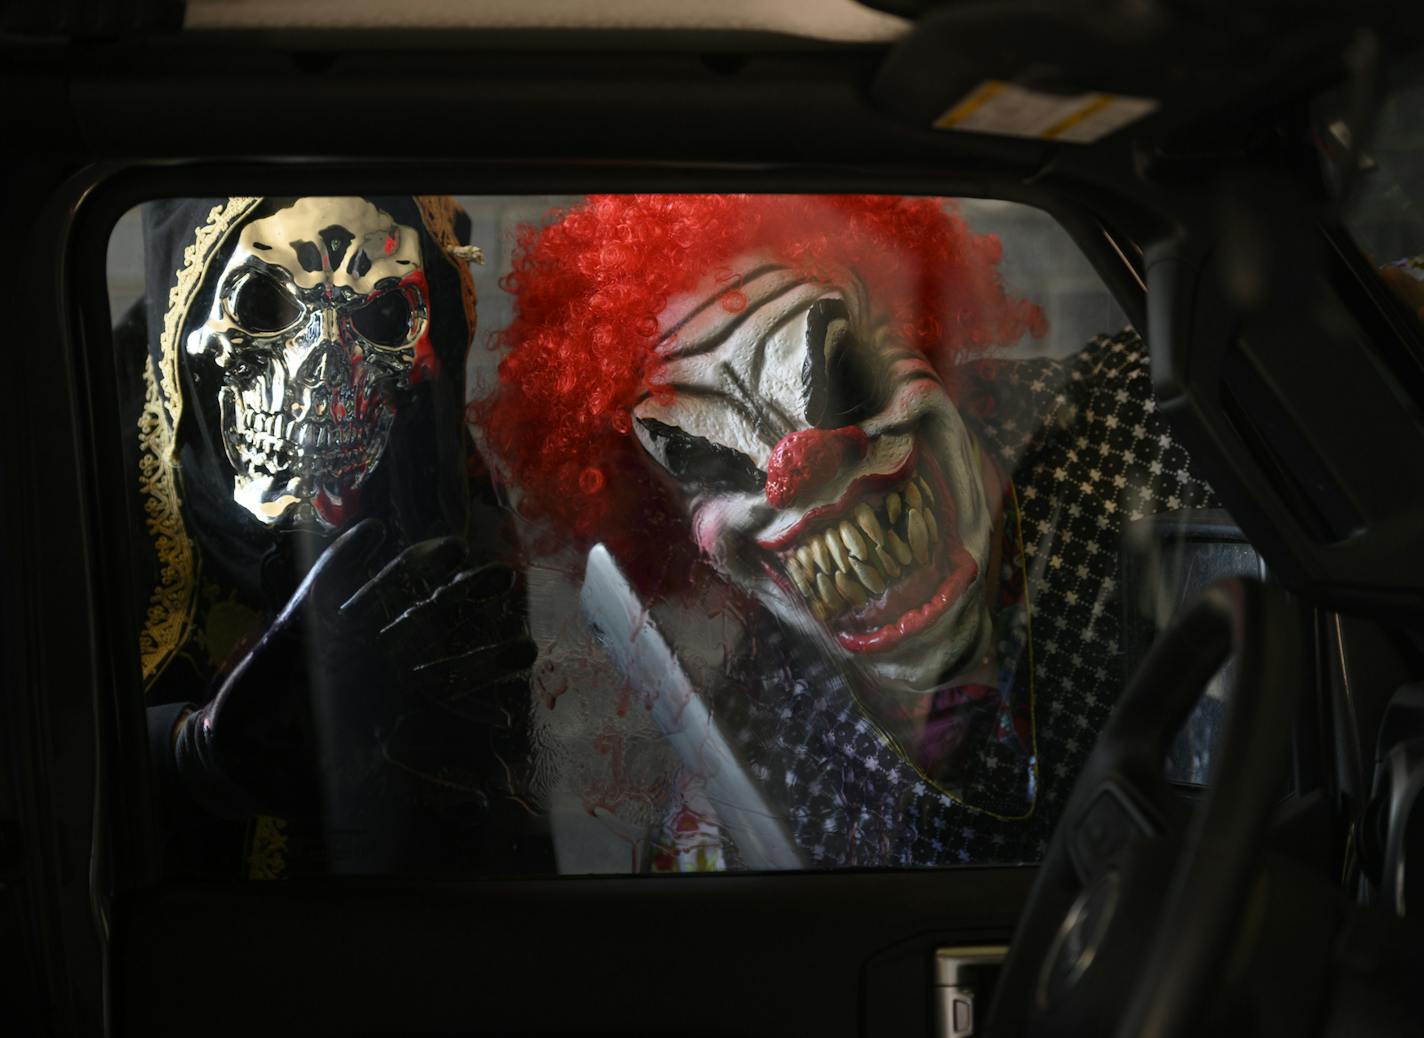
1386, 212
614, 534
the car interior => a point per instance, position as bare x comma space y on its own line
1234, 191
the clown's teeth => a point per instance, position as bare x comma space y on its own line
865, 517
851, 590
798, 577
899, 548
869, 576
849, 563
918, 534
854, 542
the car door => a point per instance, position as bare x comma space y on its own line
117, 940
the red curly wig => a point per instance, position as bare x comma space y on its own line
589, 288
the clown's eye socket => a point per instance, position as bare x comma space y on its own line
261, 306
701, 463
385, 320
839, 382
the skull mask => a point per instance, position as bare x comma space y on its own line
825, 470
319, 319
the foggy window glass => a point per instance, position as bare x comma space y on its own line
629, 534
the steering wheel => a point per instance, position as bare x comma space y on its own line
1130, 925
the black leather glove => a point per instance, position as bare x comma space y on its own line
252, 748
302, 723
456, 642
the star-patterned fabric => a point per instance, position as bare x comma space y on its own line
1087, 453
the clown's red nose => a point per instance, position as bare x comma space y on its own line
805, 461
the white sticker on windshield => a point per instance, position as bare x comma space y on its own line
1014, 111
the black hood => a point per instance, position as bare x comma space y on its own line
418, 488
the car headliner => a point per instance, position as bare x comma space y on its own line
843, 21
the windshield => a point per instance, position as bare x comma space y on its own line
636, 533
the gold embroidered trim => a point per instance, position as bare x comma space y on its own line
173, 603
267, 856
438, 212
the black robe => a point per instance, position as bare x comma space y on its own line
446, 789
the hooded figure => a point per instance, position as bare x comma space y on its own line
797, 393
320, 649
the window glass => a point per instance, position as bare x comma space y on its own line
633, 533
1386, 212
1166, 559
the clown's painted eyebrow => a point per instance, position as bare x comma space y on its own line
714, 337
761, 412
765, 414
752, 275
910, 367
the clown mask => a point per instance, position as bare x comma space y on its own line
824, 469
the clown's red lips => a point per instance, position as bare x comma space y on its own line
881, 564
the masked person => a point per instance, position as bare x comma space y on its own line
333, 644
799, 394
